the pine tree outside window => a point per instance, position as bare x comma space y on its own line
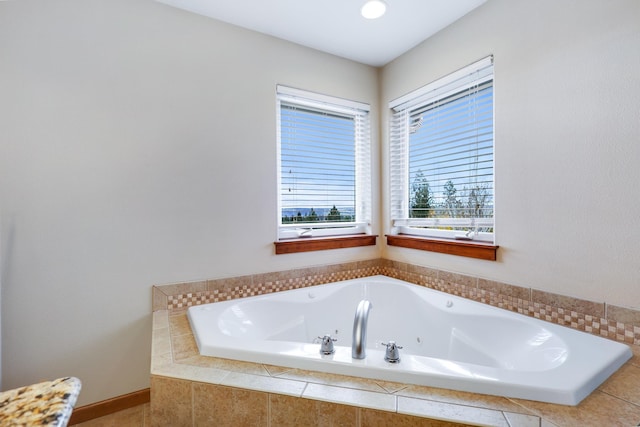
323, 165
441, 157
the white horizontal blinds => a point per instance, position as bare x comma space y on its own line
398, 157
451, 156
448, 141
317, 164
363, 168
324, 176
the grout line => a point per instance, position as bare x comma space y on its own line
617, 397
269, 409
193, 405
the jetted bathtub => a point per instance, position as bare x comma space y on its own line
446, 341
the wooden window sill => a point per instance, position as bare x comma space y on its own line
452, 247
322, 243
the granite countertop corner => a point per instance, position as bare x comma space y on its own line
48, 403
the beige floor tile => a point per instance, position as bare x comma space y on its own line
276, 370
132, 417
170, 402
263, 383
226, 406
160, 319
461, 398
624, 384
635, 359
521, 420
294, 412
333, 380
451, 413
597, 410
147, 414
183, 346
227, 365
160, 342
191, 373
158, 362
374, 418
349, 396
179, 324
158, 300
391, 387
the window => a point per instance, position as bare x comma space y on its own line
324, 165
441, 158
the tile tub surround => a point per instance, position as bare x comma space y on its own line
606, 320
189, 389
175, 358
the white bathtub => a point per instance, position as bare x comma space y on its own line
447, 341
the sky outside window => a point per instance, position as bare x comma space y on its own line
317, 161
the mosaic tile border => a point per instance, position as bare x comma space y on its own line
183, 295
609, 321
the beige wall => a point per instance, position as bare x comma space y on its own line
133, 134
567, 141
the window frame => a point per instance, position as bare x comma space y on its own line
401, 108
328, 231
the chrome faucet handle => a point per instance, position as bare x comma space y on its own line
392, 355
390, 343
326, 346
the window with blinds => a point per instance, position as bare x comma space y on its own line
324, 165
441, 159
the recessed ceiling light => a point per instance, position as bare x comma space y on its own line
373, 9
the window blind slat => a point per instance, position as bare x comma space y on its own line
470, 75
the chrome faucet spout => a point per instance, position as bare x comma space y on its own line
359, 341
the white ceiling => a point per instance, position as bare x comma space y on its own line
336, 26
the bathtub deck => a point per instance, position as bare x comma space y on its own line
175, 356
